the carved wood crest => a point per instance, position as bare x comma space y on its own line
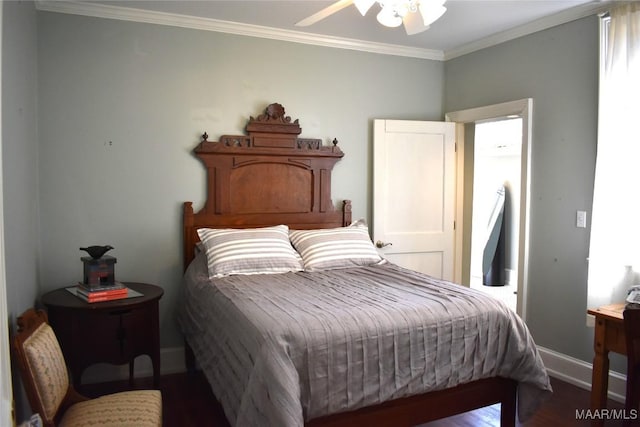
271, 130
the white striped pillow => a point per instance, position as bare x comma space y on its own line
249, 251
326, 249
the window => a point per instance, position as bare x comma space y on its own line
614, 251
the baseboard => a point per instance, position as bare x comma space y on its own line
561, 366
578, 372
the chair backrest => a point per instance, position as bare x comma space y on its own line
41, 363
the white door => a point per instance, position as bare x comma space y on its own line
414, 194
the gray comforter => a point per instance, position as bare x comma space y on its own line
284, 348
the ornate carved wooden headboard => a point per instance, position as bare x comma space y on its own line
267, 177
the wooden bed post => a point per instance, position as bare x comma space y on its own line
346, 213
187, 230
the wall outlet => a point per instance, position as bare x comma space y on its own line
581, 219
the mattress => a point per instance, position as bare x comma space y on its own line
280, 349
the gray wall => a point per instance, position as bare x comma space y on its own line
19, 164
121, 105
19, 152
558, 68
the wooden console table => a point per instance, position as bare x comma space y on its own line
609, 336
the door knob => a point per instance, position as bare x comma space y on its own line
380, 244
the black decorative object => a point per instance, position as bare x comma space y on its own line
96, 251
99, 272
493, 257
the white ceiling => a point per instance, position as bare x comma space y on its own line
467, 25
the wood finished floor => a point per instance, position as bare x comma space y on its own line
188, 401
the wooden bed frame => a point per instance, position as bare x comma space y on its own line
271, 177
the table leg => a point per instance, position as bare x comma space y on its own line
76, 375
600, 376
131, 362
155, 354
156, 371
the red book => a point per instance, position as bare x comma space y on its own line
103, 298
98, 296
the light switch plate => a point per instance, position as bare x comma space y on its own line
581, 219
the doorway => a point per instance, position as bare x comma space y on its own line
467, 124
496, 208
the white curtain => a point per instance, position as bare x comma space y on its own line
614, 252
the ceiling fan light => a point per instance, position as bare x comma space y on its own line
413, 24
431, 11
389, 18
401, 9
363, 5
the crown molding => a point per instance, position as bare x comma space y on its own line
208, 24
560, 18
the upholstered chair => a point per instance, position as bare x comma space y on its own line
51, 394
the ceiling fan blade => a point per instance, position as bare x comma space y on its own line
431, 12
414, 24
324, 13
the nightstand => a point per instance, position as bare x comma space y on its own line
113, 332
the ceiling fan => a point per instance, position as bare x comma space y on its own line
416, 15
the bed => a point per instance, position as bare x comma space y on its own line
331, 340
